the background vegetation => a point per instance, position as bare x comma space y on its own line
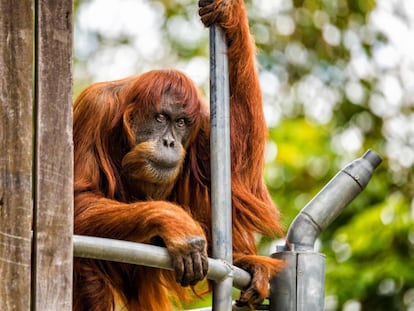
338, 79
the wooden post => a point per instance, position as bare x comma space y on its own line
53, 195
16, 56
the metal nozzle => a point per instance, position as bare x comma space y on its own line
325, 207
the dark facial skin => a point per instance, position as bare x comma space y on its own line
159, 152
168, 129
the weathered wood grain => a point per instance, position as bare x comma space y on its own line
16, 101
53, 157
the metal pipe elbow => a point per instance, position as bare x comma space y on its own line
325, 207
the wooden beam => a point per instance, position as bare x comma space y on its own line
53, 200
16, 56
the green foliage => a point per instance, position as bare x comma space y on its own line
301, 147
369, 248
372, 252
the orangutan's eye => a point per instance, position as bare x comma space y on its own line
161, 118
181, 122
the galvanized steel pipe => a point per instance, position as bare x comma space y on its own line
222, 246
325, 207
301, 286
149, 255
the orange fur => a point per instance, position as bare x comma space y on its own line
105, 116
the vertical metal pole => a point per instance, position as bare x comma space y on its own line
220, 165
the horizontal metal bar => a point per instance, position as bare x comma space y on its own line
151, 256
